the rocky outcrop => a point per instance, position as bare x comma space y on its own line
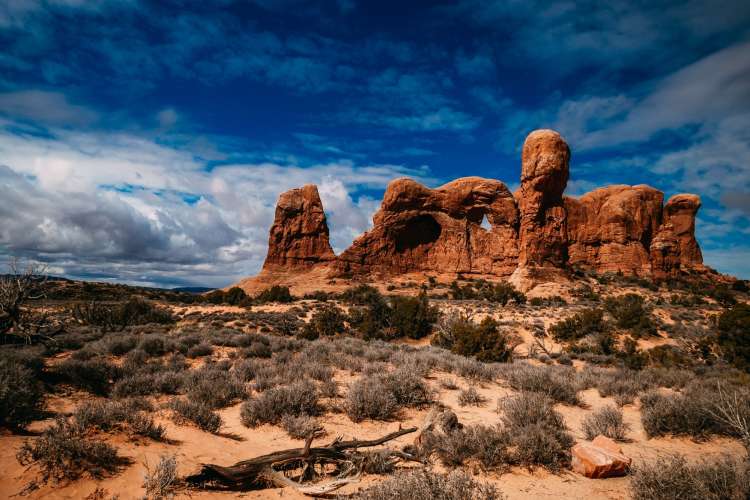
544, 175
422, 229
476, 226
674, 247
299, 235
599, 459
610, 229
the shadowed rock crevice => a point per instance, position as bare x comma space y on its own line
419, 231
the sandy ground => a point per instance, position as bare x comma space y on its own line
236, 442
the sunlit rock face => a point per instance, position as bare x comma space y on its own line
477, 226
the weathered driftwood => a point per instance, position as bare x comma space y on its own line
268, 470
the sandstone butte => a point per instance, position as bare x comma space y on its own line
535, 235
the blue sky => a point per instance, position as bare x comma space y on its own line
146, 142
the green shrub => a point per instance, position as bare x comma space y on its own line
276, 293
21, 394
108, 317
629, 312
486, 342
734, 335
582, 324
412, 316
93, 375
326, 322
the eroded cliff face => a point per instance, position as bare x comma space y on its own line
299, 235
611, 229
674, 247
476, 226
422, 229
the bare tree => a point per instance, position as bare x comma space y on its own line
733, 410
17, 288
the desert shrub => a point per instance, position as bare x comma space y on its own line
21, 393
412, 316
63, 453
145, 383
118, 344
488, 445
300, 426
361, 295
369, 398
485, 341
94, 375
693, 412
300, 398
199, 350
159, 481
606, 421
673, 478
734, 335
538, 435
200, 414
408, 388
117, 415
213, 387
623, 385
556, 382
276, 293
154, 345
669, 356
582, 324
108, 317
629, 312
470, 397
235, 296
326, 321
421, 484
449, 383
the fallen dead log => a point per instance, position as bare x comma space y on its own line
268, 470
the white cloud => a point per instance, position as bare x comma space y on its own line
122, 205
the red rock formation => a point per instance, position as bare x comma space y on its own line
299, 234
439, 230
543, 236
599, 459
674, 247
610, 229
536, 236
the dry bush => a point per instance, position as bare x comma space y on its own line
300, 398
108, 416
425, 485
369, 398
63, 453
672, 478
200, 414
557, 382
160, 481
213, 387
300, 426
93, 375
470, 397
606, 421
537, 430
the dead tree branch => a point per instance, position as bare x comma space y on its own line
339, 458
